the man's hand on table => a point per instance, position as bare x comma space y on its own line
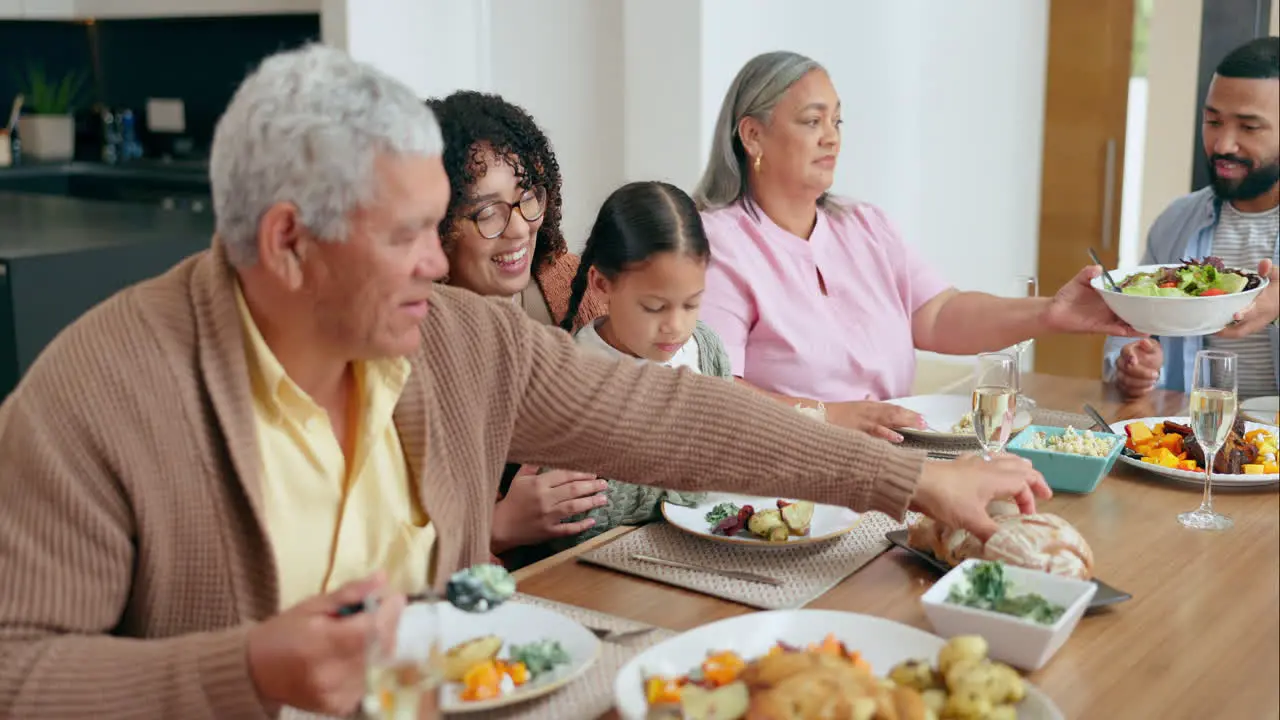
1138, 368
306, 658
957, 493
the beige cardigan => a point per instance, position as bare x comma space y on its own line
133, 555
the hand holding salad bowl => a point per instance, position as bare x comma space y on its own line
1197, 297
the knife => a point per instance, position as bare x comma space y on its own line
735, 574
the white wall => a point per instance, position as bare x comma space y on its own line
943, 127
943, 124
1173, 61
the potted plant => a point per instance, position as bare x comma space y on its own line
48, 129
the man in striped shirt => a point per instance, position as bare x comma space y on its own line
1236, 219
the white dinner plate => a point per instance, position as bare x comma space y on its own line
942, 412
1196, 477
1261, 409
829, 521
883, 643
515, 623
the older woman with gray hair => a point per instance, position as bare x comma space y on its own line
817, 298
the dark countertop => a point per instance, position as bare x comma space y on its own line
182, 171
33, 225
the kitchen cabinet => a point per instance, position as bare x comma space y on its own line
120, 9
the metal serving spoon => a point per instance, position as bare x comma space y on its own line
1105, 275
477, 589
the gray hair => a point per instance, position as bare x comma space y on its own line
305, 128
756, 90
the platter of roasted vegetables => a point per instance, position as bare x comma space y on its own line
829, 664
515, 653
1167, 446
762, 521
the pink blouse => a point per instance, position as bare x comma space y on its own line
783, 335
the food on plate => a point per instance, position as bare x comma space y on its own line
768, 525
483, 675
985, 588
1042, 541
480, 588
827, 680
1194, 278
1072, 442
466, 655
771, 524
819, 412
963, 425
797, 515
540, 656
1173, 445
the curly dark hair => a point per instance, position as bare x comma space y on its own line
470, 121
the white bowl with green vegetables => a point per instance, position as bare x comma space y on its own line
1196, 297
1025, 615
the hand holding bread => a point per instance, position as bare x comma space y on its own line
1039, 541
957, 493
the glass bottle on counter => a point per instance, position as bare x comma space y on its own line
15, 147
130, 148
111, 139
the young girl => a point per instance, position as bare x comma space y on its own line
647, 257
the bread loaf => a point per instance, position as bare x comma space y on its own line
1042, 541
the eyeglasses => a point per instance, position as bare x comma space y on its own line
491, 220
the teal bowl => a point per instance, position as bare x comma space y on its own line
1067, 472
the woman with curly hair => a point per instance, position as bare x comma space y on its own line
503, 239
502, 233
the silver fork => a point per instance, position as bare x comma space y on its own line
617, 635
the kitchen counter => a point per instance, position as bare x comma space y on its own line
182, 186
60, 256
196, 171
32, 225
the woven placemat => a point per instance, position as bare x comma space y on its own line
806, 571
591, 695
1050, 418
586, 697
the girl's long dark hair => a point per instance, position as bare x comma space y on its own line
636, 222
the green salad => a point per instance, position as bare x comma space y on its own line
1194, 278
987, 589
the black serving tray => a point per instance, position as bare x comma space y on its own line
1104, 597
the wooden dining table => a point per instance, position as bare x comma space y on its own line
1200, 637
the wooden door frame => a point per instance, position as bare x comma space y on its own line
1068, 20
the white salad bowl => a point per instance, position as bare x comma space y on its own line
1022, 643
1173, 316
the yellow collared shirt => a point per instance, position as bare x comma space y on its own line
334, 519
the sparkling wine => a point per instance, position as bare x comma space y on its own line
993, 411
1212, 414
408, 691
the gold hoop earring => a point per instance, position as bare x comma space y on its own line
756, 164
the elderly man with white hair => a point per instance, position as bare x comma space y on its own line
199, 471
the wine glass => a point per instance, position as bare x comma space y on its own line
1024, 286
1213, 413
995, 401
404, 666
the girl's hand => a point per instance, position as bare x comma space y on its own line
537, 504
